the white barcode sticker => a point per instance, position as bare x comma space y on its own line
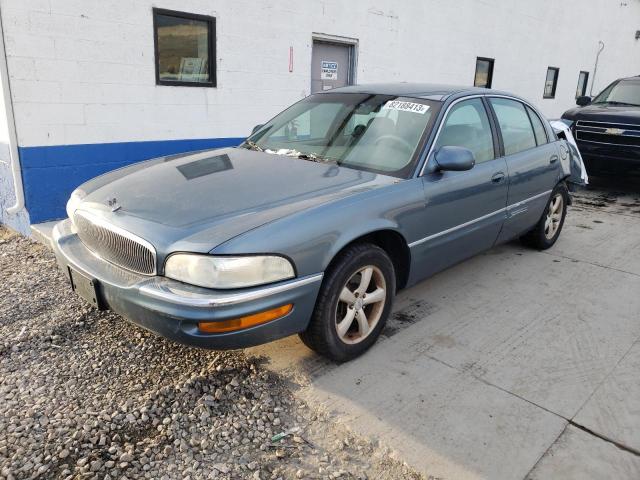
406, 106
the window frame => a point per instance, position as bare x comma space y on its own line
491, 62
498, 142
530, 111
555, 83
503, 152
212, 60
584, 87
497, 151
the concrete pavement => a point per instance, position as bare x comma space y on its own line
515, 364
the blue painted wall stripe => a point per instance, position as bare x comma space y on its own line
50, 174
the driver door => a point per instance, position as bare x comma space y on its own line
464, 211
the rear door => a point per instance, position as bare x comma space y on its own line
532, 160
464, 211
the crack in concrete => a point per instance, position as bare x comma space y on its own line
544, 454
591, 263
621, 446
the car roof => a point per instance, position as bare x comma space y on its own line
430, 91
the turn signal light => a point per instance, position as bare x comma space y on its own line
245, 322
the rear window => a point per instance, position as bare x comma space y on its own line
515, 126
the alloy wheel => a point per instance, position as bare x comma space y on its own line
554, 216
361, 303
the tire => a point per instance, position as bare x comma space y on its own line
544, 235
336, 327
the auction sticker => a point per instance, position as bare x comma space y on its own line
406, 107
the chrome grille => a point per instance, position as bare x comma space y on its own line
115, 245
608, 133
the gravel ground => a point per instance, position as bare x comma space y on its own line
85, 394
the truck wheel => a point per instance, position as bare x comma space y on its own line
548, 228
353, 304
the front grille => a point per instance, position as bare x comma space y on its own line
608, 133
115, 245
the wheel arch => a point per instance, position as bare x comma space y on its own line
392, 242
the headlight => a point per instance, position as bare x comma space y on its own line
227, 272
74, 201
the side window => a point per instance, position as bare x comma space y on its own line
538, 127
517, 132
467, 125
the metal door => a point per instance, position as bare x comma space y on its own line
331, 65
463, 216
464, 211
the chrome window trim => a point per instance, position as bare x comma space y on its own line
444, 118
160, 291
479, 219
101, 222
483, 95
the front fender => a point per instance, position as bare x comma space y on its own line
312, 238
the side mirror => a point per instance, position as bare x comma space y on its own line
256, 128
455, 159
583, 101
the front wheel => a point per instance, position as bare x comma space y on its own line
353, 304
548, 228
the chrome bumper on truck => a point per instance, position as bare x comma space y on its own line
178, 311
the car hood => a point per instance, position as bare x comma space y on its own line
197, 201
605, 113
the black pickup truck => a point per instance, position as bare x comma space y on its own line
607, 128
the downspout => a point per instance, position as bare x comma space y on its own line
16, 170
595, 69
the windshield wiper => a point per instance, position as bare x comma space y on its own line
253, 146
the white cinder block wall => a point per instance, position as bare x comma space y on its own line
82, 71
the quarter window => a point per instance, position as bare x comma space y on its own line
583, 80
467, 125
515, 126
551, 82
538, 127
184, 48
484, 72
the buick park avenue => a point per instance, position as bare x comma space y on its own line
313, 224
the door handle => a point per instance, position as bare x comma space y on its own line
553, 159
497, 177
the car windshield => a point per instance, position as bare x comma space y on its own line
378, 133
623, 92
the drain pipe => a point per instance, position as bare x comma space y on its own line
16, 170
595, 69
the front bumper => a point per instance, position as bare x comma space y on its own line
603, 157
173, 309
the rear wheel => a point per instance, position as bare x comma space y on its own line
548, 228
353, 304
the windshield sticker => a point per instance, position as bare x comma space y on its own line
406, 107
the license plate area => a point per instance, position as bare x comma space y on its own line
85, 287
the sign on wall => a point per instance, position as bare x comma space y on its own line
329, 70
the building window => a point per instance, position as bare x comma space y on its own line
583, 80
551, 82
184, 48
484, 72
